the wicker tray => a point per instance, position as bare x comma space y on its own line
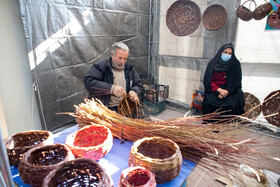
214, 17
271, 108
137, 176
39, 161
252, 106
92, 141
161, 156
19, 143
78, 172
183, 17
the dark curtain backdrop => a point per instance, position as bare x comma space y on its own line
65, 37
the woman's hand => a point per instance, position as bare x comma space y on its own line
222, 93
220, 96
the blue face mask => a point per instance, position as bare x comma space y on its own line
225, 57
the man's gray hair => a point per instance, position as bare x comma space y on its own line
119, 45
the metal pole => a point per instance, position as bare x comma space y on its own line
149, 45
4, 163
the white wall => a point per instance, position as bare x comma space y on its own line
259, 48
254, 43
16, 90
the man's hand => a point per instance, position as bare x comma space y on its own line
133, 96
118, 91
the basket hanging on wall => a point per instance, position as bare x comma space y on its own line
245, 13
262, 11
183, 17
214, 17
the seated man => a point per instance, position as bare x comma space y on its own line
113, 79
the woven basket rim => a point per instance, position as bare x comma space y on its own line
9, 141
53, 172
71, 137
126, 171
134, 150
69, 156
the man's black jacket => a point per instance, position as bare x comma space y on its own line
99, 80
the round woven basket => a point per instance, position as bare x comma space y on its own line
261, 11
92, 141
214, 17
78, 172
183, 17
245, 13
137, 176
37, 162
271, 108
161, 156
19, 143
252, 106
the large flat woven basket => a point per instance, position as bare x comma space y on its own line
271, 108
159, 155
214, 17
183, 17
252, 106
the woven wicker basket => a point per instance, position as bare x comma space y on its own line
161, 156
183, 17
92, 141
129, 108
78, 172
37, 162
137, 176
252, 106
245, 13
214, 17
271, 109
261, 11
19, 143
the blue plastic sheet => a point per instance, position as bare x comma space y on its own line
115, 162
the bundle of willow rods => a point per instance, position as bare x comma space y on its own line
208, 144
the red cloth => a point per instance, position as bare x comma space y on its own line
218, 78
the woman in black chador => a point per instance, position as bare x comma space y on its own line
222, 83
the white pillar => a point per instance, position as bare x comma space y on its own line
16, 89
